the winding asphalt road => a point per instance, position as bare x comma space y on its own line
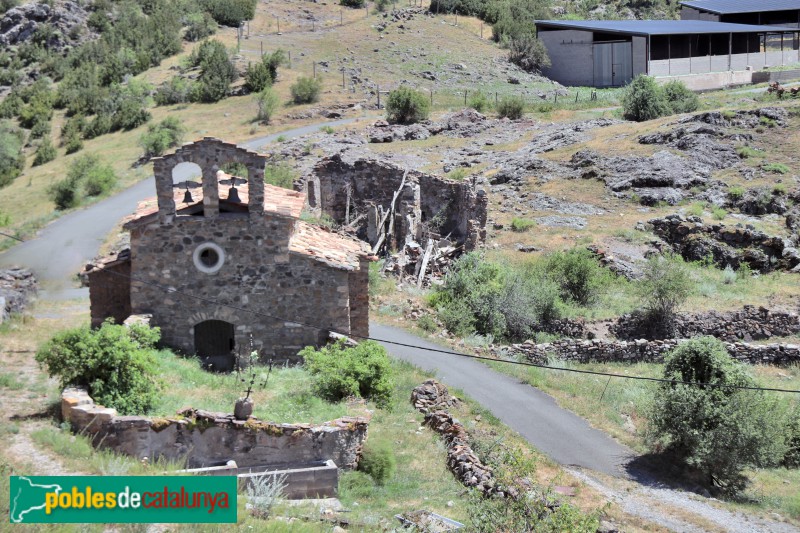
60, 250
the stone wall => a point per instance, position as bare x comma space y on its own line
456, 208
212, 439
17, 287
110, 291
748, 324
585, 351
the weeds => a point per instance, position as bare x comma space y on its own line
776, 168
522, 224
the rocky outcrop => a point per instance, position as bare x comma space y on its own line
747, 324
746, 119
432, 398
17, 287
464, 123
727, 245
66, 22
765, 201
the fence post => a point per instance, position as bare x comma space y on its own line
314, 66
465, 97
495, 98
290, 59
343, 85
341, 16
279, 24
555, 98
481, 29
262, 48
576, 96
379, 96
431, 97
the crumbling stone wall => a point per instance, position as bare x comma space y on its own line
110, 291
211, 439
17, 287
455, 208
748, 324
585, 351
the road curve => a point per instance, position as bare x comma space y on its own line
564, 436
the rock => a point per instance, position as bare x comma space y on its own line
513, 80
18, 287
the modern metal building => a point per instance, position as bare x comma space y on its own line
606, 53
764, 12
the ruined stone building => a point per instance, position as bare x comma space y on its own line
364, 192
238, 242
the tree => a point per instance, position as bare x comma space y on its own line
12, 160
45, 153
230, 12
216, 72
162, 136
680, 98
579, 275
407, 106
714, 426
267, 101
305, 90
664, 287
529, 53
644, 100
199, 26
356, 4
87, 176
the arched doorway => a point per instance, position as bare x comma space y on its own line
214, 342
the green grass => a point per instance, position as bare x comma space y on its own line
776, 168
522, 224
457, 174
696, 209
10, 381
746, 152
718, 213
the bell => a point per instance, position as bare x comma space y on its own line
187, 196
233, 195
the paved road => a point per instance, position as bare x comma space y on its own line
559, 433
62, 248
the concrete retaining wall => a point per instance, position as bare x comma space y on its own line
782, 76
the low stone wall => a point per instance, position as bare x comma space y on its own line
649, 351
211, 439
748, 324
17, 287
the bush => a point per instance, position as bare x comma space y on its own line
522, 224
305, 90
45, 153
664, 287
479, 102
512, 107
382, 5
117, 364
268, 102
280, 175
86, 176
776, 168
199, 26
736, 193
256, 77
378, 461
717, 429
579, 275
718, 213
230, 12
644, 100
529, 53
352, 3
216, 72
162, 136
340, 371
791, 458
746, 152
407, 106
679, 98
12, 159
175, 91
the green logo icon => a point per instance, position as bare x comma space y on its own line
122, 499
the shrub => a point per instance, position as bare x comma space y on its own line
268, 102
664, 287
305, 90
382, 5
280, 175
457, 174
728, 275
407, 106
216, 72
45, 153
12, 160
263, 492
779, 189
199, 26
352, 3
162, 136
679, 98
776, 168
717, 429
378, 461
746, 152
115, 363
175, 91
718, 213
529, 53
340, 371
479, 102
791, 458
644, 100
578, 274
87, 175
696, 209
512, 107
736, 193
230, 12
522, 224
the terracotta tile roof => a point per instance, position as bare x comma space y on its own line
328, 247
276, 199
310, 240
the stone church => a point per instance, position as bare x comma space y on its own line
236, 241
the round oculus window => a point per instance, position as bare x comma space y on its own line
208, 258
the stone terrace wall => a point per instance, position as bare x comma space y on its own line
748, 324
641, 350
211, 439
17, 287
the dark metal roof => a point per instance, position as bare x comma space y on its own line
727, 7
658, 27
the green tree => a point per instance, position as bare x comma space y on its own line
679, 97
117, 364
305, 90
230, 12
199, 26
12, 159
340, 371
216, 72
87, 176
162, 136
407, 106
579, 275
45, 153
644, 100
664, 287
268, 102
529, 53
356, 4
714, 427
